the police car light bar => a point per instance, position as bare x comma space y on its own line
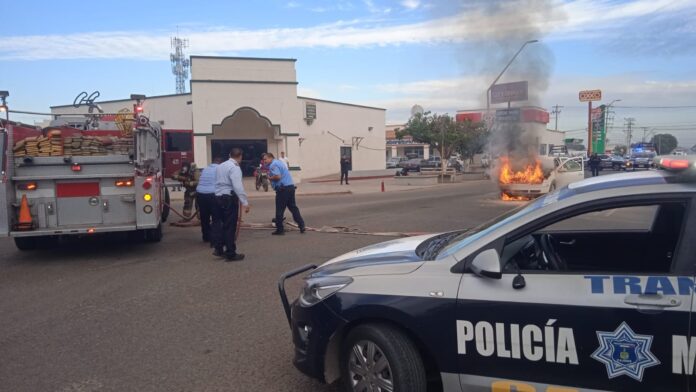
675, 164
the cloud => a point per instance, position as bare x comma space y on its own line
575, 19
411, 4
292, 4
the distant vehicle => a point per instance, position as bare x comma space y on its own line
606, 162
412, 164
393, 162
640, 160
617, 162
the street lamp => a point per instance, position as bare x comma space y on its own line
488, 92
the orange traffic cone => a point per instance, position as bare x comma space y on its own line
25, 222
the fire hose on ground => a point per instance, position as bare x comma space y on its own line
189, 222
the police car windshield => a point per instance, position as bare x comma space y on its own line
469, 236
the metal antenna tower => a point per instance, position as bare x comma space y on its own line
180, 64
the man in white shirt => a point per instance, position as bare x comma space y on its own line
229, 197
284, 159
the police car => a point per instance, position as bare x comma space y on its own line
587, 288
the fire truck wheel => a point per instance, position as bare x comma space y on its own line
165, 205
154, 235
26, 243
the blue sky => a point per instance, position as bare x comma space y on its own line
439, 54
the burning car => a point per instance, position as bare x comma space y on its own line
542, 176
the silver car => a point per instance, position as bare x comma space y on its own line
587, 288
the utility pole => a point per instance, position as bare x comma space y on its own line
630, 121
645, 131
556, 111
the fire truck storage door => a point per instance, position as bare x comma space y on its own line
78, 203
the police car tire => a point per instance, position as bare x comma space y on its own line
408, 372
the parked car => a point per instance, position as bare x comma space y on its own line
414, 164
393, 162
569, 281
606, 162
617, 162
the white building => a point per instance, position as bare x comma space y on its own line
252, 103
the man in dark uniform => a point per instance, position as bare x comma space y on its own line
188, 175
345, 167
282, 183
230, 197
595, 162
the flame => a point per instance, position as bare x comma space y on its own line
532, 173
507, 197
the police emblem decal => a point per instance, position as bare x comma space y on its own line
624, 352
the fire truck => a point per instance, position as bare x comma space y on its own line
68, 181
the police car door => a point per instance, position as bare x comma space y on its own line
610, 310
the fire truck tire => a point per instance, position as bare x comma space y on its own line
154, 235
26, 243
165, 205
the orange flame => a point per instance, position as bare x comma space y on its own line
532, 174
507, 197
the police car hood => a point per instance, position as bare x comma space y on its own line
391, 257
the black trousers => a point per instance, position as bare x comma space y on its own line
595, 171
206, 206
285, 198
344, 174
226, 225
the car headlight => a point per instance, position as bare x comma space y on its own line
318, 289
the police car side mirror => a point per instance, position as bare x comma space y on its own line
487, 264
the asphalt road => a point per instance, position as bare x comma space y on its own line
111, 315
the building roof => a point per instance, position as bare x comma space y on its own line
128, 100
243, 58
341, 103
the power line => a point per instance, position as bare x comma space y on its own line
556, 112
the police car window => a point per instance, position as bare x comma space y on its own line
625, 218
636, 239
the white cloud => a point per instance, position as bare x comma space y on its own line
568, 20
411, 4
292, 4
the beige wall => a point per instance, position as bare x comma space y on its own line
219, 68
321, 150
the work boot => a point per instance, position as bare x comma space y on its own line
302, 230
218, 253
236, 257
278, 232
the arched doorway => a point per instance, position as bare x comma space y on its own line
247, 129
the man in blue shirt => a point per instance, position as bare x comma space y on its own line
229, 197
205, 196
282, 183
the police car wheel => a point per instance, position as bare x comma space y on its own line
377, 357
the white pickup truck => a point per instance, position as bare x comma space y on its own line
558, 172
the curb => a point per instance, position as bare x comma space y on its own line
351, 179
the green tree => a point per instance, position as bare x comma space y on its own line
465, 137
620, 149
664, 143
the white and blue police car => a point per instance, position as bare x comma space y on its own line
587, 288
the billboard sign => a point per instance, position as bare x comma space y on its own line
507, 115
509, 92
599, 132
590, 95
